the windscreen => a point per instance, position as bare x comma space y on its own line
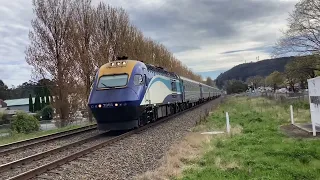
113, 81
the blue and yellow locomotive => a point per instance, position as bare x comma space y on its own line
128, 94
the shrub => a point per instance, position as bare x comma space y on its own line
24, 123
4, 118
37, 115
47, 112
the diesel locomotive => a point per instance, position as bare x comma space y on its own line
128, 94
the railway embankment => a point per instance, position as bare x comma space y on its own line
262, 144
133, 155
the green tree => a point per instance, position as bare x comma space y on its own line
209, 82
302, 68
255, 81
43, 103
30, 103
236, 86
47, 100
275, 79
37, 104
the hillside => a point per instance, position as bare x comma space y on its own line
262, 68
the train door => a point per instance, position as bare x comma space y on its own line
174, 89
148, 95
201, 91
182, 87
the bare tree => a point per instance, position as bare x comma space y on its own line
83, 48
303, 34
47, 52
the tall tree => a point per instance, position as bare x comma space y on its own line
47, 100
209, 82
84, 47
303, 34
30, 104
48, 51
275, 79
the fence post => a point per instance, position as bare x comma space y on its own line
228, 123
291, 114
313, 128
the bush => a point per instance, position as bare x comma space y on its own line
37, 115
24, 123
4, 118
47, 112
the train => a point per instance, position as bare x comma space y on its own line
128, 94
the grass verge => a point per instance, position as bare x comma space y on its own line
14, 137
260, 150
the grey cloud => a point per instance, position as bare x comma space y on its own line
261, 48
219, 19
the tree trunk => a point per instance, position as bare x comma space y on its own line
88, 85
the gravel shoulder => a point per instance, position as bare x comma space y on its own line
134, 155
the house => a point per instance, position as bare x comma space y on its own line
19, 104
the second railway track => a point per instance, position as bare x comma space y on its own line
21, 145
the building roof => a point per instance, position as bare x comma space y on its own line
18, 102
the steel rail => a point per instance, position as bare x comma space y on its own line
41, 139
44, 154
42, 169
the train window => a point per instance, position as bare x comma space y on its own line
138, 79
113, 81
174, 86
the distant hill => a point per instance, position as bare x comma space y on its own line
262, 68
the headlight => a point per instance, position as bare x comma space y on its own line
124, 63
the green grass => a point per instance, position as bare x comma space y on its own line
260, 150
19, 137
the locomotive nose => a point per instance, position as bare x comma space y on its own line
113, 96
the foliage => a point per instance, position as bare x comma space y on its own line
275, 79
209, 82
256, 81
47, 112
24, 123
37, 115
261, 68
256, 148
47, 100
30, 103
25, 89
235, 86
37, 104
4, 118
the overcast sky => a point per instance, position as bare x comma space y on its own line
209, 36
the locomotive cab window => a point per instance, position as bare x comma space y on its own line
138, 79
109, 81
174, 86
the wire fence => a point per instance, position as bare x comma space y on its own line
287, 96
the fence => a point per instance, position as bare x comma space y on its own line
287, 96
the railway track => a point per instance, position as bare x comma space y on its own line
37, 164
28, 143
